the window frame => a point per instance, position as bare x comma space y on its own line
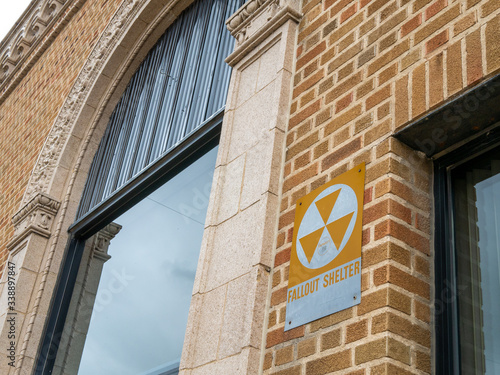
179, 158
447, 358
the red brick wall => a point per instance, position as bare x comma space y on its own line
364, 69
27, 114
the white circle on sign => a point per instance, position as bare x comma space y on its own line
326, 226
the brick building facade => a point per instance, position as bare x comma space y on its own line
317, 87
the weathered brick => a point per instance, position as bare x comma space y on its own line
268, 361
402, 233
329, 28
435, 8
300, 177
384, 251
279, 335
411, 25
331, 320
311, 68
356, 331
393, 275
298, 194
471, 3
376, 5
363, 123
307, 97
367, 55
370, 351
341, 153
388, 41
331, 339
436, 70
389, 369
489, 7
383, 110
346, 28
304, 114
309, 56
401, 107
344, 102
348, 13
284, 355
438, 23
308, 5
390, 56
302, 145
308, 83
419, 4
473, 57
338, 5
344, 87
343, 57
296, 370
492, 34
306, 348
437, 41
282, 256
377, 132
464, 23
330, 363
387, 207
321, 149
347, 42
378, 97
364, 89
278, 296
346, 71
422, 266
418, 91
454, 68
423, 362
312, 27
387, 26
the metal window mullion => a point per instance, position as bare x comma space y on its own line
153, 66
217, 95
164, 122
171, 39
109, 145
191, 22
208, 59
128, 122
196, 67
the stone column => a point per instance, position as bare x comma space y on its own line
227, 314
33, 227
82, 303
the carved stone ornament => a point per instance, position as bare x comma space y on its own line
257, 19
102, 240
35, 217
52, 149
30, 36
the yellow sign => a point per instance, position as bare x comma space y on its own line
325, 264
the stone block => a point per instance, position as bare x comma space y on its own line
244, 312
231, 181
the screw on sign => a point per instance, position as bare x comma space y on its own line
325, 264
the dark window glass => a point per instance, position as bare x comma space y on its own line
140, 310
476, 221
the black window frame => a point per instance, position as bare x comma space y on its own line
191, 149
447, 358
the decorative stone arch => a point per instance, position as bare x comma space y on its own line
265, 31
52, 196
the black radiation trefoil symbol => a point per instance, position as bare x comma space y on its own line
326, 226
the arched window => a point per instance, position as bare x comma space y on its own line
122, 307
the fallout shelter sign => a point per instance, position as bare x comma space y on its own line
325, 264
